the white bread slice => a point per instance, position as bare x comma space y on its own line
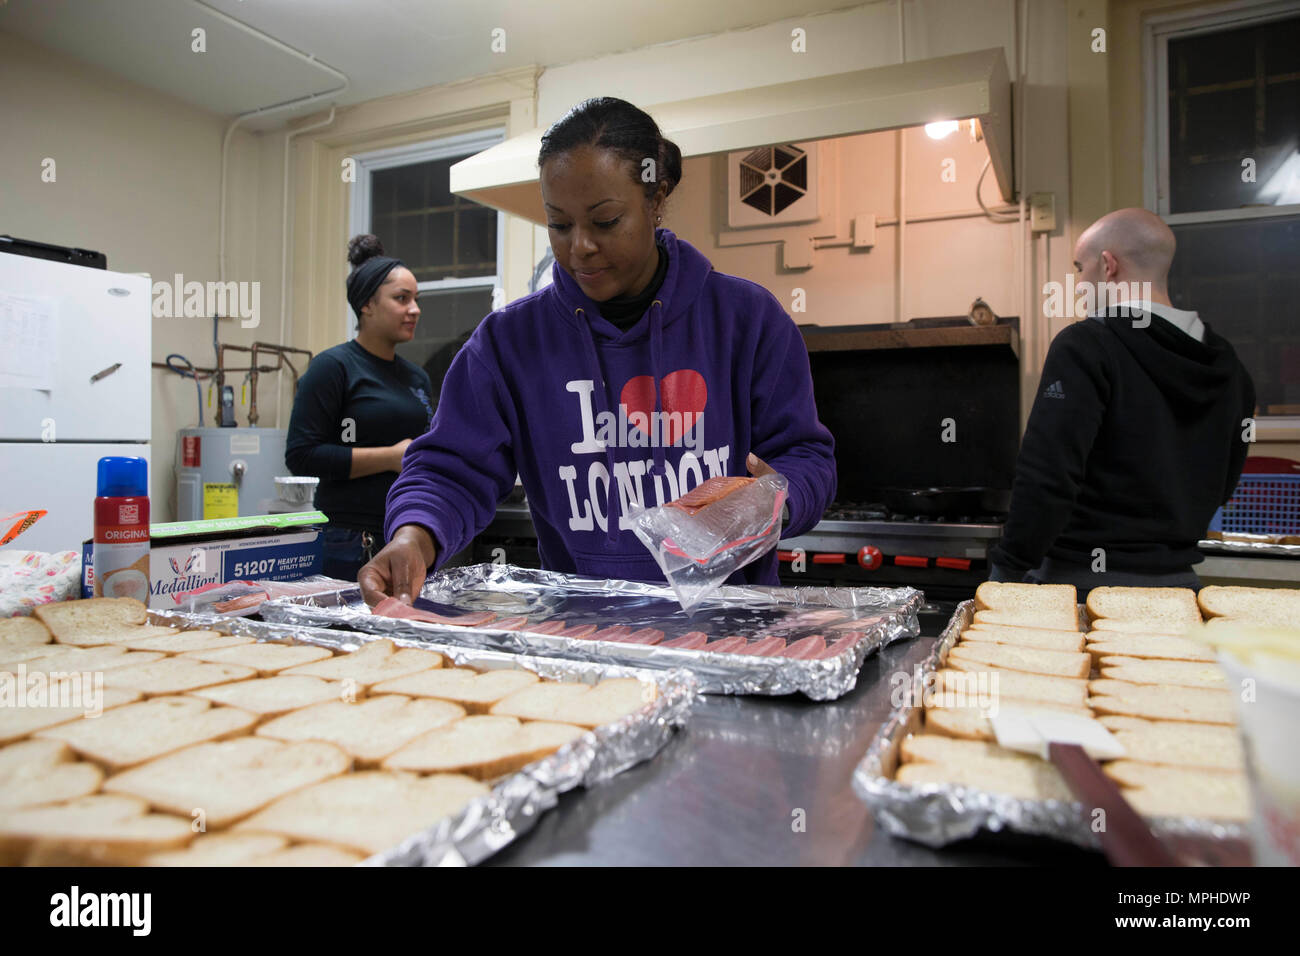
67, 619
371, 663
482, 747
474, 691
121, 634
1177, 743
985, 765
22, 632
104, 828
265, 658
150, 729
231, 779
307, 854
1147, 646
1058, 619
85, 659
220, 849
1144, 604
1148, 625
1019, 628
178, 642
368, 811
1024, 637
273, 695
35, 772
1012, 684
1171, 673
174, 675
1031, 660
74, 701
1155, 790
999, 595
370, 729
1202, 706
939, 702
973, 723
1272, 607
581, 704
1028, 781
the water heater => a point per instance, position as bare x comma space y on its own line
227, 472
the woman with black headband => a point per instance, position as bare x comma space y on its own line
358, 406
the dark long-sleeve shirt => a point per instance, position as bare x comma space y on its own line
349, 398
1134, 440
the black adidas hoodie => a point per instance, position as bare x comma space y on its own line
1134, 440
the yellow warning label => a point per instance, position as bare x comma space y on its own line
220, 500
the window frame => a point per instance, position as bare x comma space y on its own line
411, 154
1157, 31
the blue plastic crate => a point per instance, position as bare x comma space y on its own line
1262, 504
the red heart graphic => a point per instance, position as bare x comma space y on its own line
683, 391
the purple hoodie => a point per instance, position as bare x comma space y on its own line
548, 389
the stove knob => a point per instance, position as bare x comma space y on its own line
870, 558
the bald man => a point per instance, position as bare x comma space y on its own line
1137, 434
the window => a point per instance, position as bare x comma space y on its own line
1224, 115
451, 244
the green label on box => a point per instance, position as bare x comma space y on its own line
177, 529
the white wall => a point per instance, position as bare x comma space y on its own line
138, 177
946, 264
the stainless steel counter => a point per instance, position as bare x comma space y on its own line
726, 790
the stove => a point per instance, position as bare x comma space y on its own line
861, 544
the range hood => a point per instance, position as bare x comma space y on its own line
964, 86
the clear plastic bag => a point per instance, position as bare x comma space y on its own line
698, 551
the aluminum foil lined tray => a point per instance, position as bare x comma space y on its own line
869, 617
1249, 549
938, 814
512, 808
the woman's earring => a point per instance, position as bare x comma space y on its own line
658, 219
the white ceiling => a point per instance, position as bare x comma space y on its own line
383, 46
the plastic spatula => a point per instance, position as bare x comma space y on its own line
1074, 744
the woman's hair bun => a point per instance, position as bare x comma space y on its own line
361, 248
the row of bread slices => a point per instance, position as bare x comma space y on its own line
321, 758
1139, 670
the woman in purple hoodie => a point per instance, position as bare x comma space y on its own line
636, 375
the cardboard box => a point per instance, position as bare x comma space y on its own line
185, 555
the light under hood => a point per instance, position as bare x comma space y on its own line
964, 86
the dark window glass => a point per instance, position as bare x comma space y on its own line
1235, 96
1242, 277
440, 236
446, 321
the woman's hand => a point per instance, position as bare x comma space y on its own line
399, 569
758, 467
398, 451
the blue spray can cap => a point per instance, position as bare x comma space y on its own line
123, 477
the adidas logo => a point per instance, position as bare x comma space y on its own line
1054, 391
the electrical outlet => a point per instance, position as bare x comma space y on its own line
797, 253
1042, 212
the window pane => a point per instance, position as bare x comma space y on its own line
446, 321
440, 236
1235, 96
1241, 276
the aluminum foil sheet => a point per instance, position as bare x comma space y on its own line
885, 615
516, 802
1249, 549
938, 814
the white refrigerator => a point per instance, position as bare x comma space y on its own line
75, 346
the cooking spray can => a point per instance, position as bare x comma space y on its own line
121, 565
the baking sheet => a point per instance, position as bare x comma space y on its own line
1249, 549
938, 814
512, 808
881, 615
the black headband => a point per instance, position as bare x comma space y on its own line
365, 280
